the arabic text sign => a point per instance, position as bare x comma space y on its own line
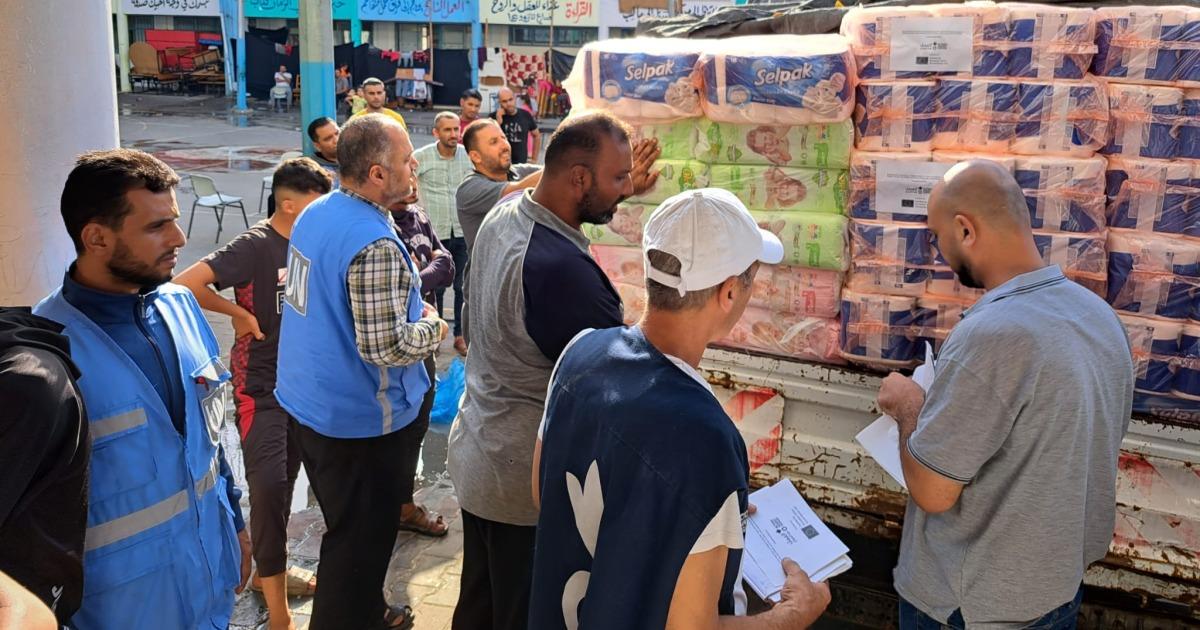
699, 8
342, 9
171, 7
457, 11
537, 12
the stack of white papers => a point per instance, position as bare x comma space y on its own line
881, 438
784, 526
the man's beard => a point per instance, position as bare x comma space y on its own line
966, 278
592, 210
498, 165
124, 266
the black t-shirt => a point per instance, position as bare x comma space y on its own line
255, 265
516, 128
44, 455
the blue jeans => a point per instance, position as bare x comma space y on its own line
457, 246
1062, 618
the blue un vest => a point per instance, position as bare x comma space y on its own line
322, 380
160, 549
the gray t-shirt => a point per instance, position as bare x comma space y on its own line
1031, 399
477, 195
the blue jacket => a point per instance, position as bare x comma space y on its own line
161, 549
323, 381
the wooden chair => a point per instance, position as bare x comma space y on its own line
147, 67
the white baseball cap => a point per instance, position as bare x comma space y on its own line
712, 234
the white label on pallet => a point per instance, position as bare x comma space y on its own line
903, 187
933, 44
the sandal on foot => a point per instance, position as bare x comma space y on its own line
425, 523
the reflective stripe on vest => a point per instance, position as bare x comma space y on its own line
115, 424
137, 522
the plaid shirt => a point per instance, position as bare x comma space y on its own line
439, 179
379, 281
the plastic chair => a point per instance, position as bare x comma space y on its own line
281, 93
207, 196
266, 181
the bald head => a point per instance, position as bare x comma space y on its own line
980, 224
508, 101
983, 190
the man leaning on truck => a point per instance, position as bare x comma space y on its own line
1011, 458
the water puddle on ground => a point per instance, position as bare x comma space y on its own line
184, 157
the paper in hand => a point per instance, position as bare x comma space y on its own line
881, 438
784, 526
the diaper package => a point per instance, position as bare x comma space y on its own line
1189, 126
935, 315
783, 187
871, 33
991, 33
677, 139
1145, 120
674, 177
1152, 274
1152, 196
777, 79
1155, 344
640, 79
625, 229
633, 302
863, 165
1061, 118
1050, 42
1063, 194
1146, 44
879, 330
1187, 374
820, 145
893, 258
897, 116
954, 157
621, 264
976, 114
816, 240
797, 290
887, 276
786, 335
1082, 257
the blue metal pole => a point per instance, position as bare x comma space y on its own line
316, 64
241, 64
356, 30
476, 44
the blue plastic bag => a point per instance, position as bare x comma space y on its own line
450, 387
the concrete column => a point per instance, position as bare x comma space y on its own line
316, 64
476, 44
602, 32
44, 136
123, 46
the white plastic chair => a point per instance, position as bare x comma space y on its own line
281, 93
207, 196
266, 181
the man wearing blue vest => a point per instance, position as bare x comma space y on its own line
161, 549
354, 336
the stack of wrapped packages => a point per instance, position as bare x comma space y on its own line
1150, 57
765, 117
940, 84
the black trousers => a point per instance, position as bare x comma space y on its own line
497, 575
272, 457
353, 479
415, 437
457, 246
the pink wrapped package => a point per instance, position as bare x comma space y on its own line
633, 302
792, 336
797, 290
621, 264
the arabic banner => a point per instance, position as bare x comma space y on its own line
612, 17
172, 7
342, 9
537, 12
444, 11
